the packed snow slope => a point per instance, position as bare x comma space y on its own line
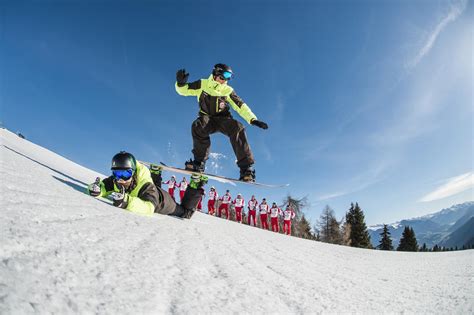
63, 251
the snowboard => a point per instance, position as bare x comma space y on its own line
222, 179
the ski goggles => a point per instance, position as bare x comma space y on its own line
122, 174
226, 75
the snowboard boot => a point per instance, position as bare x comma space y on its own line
156, 169
193, 194
198, 181
155, 172
195, 166
247, 174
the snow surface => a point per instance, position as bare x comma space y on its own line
62, 251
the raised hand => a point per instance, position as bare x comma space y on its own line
94, 188
182, 77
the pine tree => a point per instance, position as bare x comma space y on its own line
330, 230
346, 234
305, 229
408, 241
323, 223
414, 243
336, 234
386, 241
424, 248
359, 235
317, 233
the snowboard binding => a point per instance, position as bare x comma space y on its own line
247, 174
195, 166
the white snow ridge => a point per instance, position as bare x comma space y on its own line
63, 252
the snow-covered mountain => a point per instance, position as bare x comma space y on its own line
62, 251
451, 215
433, 228
464, 234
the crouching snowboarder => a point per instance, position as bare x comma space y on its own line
131, 187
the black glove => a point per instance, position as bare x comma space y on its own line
120, 198
94, 188
259, 124
182, 77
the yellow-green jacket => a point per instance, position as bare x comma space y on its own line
214, 98
143, 197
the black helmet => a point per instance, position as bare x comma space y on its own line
123, 161
219, 70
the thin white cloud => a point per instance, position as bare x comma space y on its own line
360, 181
278, 110
455, 11
265, 149
331, 196
171, 151
452, 187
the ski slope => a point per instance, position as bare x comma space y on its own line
62, 251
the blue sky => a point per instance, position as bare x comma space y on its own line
367, 101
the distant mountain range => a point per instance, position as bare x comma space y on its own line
449, 227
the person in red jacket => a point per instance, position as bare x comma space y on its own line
171, 185
182, 187
252, 206
263, 214
225, 201
211, 203
288, 215
275, 213
239, 204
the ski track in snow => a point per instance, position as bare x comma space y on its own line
63, 251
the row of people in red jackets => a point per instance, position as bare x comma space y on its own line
225, 202
264, 210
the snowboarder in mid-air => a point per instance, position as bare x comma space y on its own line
214, 96
131, 187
